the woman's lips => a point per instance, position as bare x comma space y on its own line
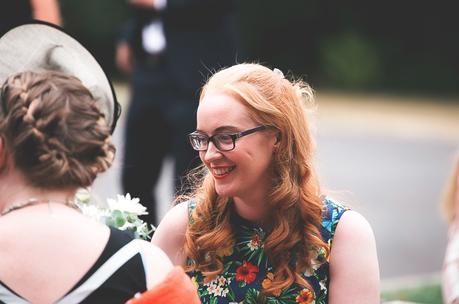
222, 172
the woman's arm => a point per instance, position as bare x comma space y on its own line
170, 234
157, 264
354, 269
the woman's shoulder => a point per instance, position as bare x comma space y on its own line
170, 234
354, 254
175, 220
335, 212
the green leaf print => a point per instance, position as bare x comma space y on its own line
231, 295
213, 300
203, 292
253, 254
227, 266
321, 299
251, 296
260, 257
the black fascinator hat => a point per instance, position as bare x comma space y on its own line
40, 46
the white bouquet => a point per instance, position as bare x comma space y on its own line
122, 213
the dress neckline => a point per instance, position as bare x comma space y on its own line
36, 201
238, 221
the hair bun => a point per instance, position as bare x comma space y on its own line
54, 130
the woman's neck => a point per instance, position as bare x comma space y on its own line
252, 208
16, 191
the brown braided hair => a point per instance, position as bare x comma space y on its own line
54, 130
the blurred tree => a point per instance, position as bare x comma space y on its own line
350, 61
387, 45
96, 25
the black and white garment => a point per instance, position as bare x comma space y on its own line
118, 274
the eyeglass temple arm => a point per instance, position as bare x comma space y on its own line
250, 131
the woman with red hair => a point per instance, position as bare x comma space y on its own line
257, 228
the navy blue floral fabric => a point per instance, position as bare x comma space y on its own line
247, 269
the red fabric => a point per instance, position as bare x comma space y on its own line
176, 288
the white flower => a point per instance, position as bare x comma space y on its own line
323, 285
93, 212
255, 242
122, 213
127, 204
213, 282
212, 288
83, 196
218, 291
221, 281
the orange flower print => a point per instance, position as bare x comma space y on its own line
306, 296
268, 280
266, 283
247, 273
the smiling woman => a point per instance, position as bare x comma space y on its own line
257, 228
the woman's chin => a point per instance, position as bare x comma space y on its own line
224, 191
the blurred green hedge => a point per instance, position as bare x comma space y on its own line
95, 23
397, 46
425, 294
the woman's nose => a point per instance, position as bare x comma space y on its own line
212, 152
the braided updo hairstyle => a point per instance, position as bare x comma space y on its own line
53, 130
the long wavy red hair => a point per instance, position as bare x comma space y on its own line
294, 202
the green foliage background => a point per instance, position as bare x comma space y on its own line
396, 46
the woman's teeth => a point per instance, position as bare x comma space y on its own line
222, 171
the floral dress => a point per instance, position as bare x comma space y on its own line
247, 270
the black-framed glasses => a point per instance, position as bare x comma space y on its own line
222, 141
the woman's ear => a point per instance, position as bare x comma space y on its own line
278, 138
277, 141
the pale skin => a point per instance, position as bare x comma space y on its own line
36, 240
143, 3
47, 10
354, 270
124, 56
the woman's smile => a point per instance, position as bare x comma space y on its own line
221, 172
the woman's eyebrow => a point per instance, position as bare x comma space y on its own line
220, 129
226, 128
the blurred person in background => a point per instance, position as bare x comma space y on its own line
450, 272
168, 48
15, 12
257, 228
55, 137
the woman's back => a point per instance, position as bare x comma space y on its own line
47, 250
